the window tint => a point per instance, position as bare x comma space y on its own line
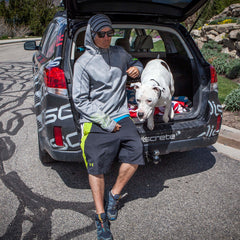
45, 36
52, 42
158, 44
133, 36
138, 38
181, 4
118, 33
173, 44
148, 40
180, 48
45, 39
48, 43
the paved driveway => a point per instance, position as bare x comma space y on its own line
192, 195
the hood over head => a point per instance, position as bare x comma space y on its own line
98, 22
95, 24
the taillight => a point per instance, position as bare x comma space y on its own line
58, 136
214, 83
54, 79
219, 121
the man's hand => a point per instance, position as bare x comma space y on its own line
117, 127
133, 72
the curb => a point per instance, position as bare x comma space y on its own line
9, 41
229, 137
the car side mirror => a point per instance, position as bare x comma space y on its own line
30, 45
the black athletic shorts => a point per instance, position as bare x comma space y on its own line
100, 147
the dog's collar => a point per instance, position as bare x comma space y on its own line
160, 93
155, 81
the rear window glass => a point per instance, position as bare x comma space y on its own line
158, 44
176, 3
138, 40
48, 43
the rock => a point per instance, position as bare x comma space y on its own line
195, 33
226, 27
207, 28
237, 45
225, 50
236, 12
228, 43
232, 11
199, 43
233, 53
211, 37
234, 6
213, 32
220, 37
203, 39
228, 35
235, 34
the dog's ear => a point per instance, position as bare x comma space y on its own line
135, 85
159, 90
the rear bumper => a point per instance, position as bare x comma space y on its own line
179, 145
181, 136
149, 148
66, 156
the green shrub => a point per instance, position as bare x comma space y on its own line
4, 37
220, 62
224, 20
232, 101
223, 62
212, 45
233, 69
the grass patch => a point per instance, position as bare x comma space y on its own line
225, 86
158, 46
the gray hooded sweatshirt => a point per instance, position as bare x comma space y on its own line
99, 83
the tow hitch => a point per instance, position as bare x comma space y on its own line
154, 156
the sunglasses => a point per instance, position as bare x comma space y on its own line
109, 33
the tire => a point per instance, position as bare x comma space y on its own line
43, 155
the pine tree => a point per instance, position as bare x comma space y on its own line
2, 8
33, 13
41, 14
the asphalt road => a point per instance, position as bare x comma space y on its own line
192, 195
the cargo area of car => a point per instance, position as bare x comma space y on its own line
145, 43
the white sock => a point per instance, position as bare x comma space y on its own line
113, 194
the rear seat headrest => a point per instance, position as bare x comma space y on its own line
123, 42
143, 43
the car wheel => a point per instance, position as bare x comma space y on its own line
43, 155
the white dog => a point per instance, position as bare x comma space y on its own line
156, 89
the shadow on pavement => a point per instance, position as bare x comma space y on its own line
149, 180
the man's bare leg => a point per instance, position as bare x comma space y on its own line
97, 186
126, 171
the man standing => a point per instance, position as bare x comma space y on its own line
99, 95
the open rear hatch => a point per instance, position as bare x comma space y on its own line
175, 10
177, 55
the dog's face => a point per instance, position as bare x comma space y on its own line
147, 97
